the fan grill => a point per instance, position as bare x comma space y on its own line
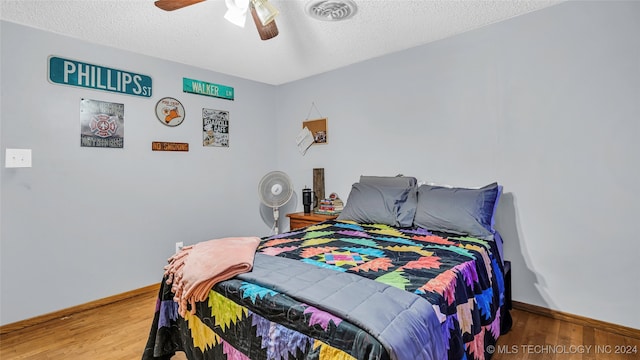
275, 189
332, 10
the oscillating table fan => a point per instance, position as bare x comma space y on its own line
275, 190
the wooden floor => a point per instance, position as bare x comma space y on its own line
119, 331
539, 337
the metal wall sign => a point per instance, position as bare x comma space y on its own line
207, 89
101, 124
76, 73
170, 111
215, 127
169, 146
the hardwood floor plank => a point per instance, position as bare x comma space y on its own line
611, 346
517, 333
570, 344
538, 343
588, 339
552, 329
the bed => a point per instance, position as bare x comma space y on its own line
405, 272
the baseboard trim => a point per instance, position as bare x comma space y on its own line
146, 291
579, 320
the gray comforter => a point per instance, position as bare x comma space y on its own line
404, 323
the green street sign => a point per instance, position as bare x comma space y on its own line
207, 89
76, 73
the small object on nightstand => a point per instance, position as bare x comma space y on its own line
307, 200
330, 206
300, 220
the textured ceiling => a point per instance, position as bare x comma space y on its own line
198, 35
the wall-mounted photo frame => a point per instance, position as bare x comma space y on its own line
318, 128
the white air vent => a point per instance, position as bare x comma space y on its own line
331, 10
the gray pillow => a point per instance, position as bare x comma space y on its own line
458, 210
389, 180
390, 205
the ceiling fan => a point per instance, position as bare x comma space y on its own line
262, 11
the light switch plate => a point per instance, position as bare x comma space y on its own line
16, 158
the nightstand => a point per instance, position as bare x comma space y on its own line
507, 284
300, 219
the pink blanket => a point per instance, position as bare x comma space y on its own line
194, 270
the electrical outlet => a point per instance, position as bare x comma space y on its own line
17, 158
179, 246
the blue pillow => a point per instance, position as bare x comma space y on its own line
458, 210
372, 204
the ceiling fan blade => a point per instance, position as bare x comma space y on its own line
170, 5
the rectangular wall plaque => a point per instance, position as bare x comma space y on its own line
207, 89
169, 146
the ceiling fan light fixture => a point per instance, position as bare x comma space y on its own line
266, 32
331, 10
265, 11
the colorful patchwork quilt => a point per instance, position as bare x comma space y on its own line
461, 277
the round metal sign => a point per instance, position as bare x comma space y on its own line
170, 111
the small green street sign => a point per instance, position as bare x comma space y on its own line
207, 89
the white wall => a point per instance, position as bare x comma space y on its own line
86, 223
548, 104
